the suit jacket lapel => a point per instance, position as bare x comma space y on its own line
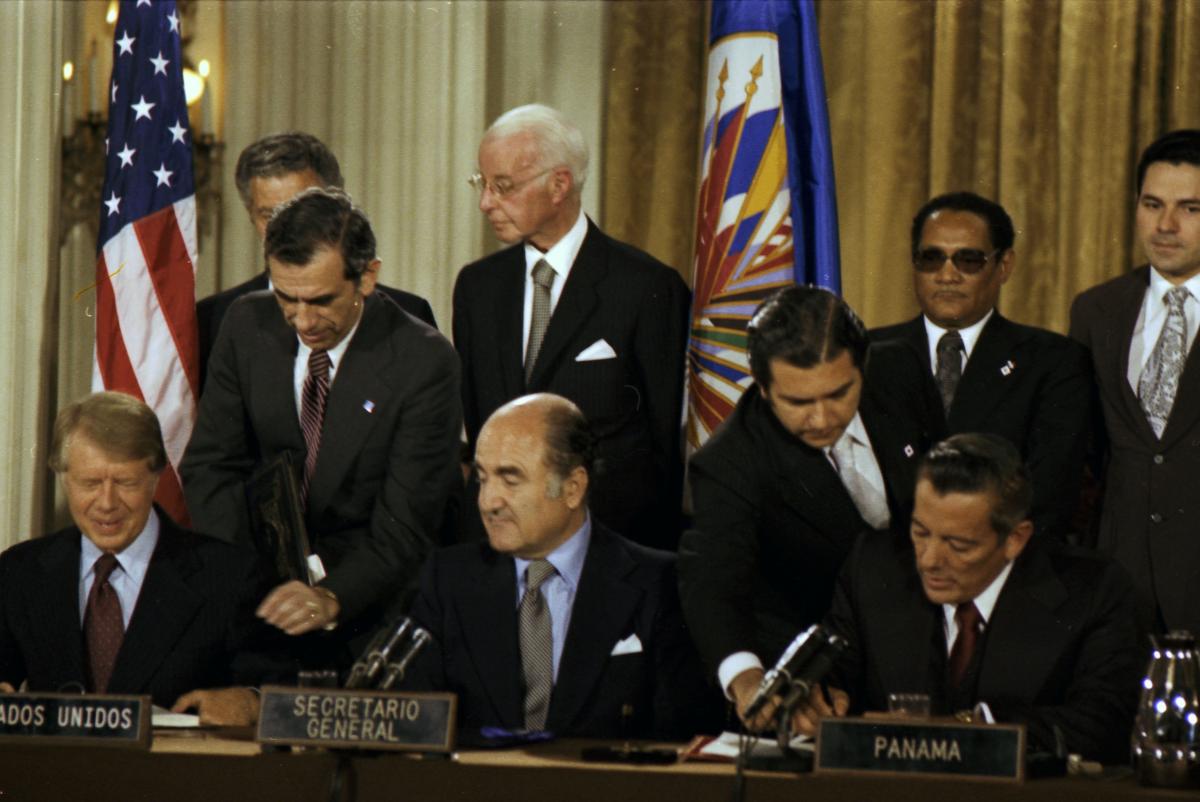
604, 606
991, 364
1186, 407
1113, 355
508, 307
1024, 615
913, 332
575, 305
910, 632
58, 608
165, 608
897, 459
358, 389
274, 398
489, 622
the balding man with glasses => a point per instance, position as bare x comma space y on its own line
568, 310
1026, 384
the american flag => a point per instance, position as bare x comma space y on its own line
146, 254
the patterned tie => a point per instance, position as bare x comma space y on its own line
949, 366
312, 414
543, 279
1160, 377
969, 620
870, 503
103, 626
537, 645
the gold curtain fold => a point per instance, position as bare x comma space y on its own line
654, 104
1042, 105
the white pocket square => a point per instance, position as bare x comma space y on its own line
596, 351
630, 645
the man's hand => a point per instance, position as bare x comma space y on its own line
808, 715
296, 608
6, 688
223, 707
743, 687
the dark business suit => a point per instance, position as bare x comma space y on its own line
773, 521
1062, 648
1150, 516
389, 445
211, 311
1030, 386
632, 400
468, 601
193, 626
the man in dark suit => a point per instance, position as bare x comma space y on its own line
364, 394
972, 613
1027, 384
269, 172
569, 310
821, 447
596, 648
1140, 328
125, 601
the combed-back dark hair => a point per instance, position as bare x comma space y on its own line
570, 442
281, 154
1173, 147
320, 217
1000, 225
121, 425
803, 326
982, 463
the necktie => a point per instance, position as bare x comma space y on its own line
870, 503
1160, 377
543, 278
103, 627
968, 619
537, 649
949, 366
312, 414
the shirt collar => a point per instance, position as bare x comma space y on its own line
969, 335
134, 559
1159, 287
337, 351
562, 254
985, 602
568, 558
856, 431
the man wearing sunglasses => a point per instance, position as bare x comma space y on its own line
569, 310
1026, 384
1141, 330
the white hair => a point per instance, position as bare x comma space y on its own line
558, 140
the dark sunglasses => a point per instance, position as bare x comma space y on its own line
967, 260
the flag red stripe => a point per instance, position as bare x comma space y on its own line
115, 368
171, 272
169, 496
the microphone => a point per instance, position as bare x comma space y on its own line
815, 647
815, 669
396, 669
367, 667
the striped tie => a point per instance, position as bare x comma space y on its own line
537, 645
312, 414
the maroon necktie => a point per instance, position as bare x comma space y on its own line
103, 627
968, 619
312, 413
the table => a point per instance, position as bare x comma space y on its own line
207, 768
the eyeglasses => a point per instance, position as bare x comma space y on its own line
967, 260
503, 187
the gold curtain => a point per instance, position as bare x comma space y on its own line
655, 100
1042, 105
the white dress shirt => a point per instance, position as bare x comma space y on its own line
970, 336
125, 580
300, 369
1150, 322
560, 257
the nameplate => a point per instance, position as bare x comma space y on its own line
61, 719
933, 749
357, 719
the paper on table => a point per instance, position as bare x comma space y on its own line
726, 746
161, 717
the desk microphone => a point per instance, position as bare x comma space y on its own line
806, 659
396, 668
367, 667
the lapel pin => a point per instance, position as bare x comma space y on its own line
369, 406
909, 451
1008, 368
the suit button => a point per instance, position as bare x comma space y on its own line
1155, 517
1158, 459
